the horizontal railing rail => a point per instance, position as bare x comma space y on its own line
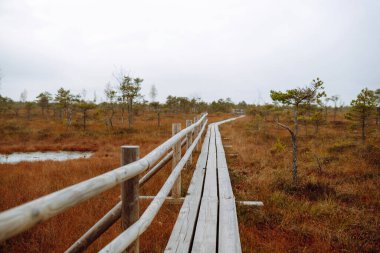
126, 238
23, 217
115, 213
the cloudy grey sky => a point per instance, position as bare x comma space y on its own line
211, 49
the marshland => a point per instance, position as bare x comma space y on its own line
199, 126
333, 206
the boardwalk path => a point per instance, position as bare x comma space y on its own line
208, 221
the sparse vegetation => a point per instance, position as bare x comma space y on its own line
335, 206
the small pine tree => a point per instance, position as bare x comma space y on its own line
130, 90
296, 98
362, 109
43, 100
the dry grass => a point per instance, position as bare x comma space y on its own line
336, 206
25, 181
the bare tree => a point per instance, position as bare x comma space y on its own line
377, 95
153, 93
335, 100
24, 96
119, 74
27, 105
111, 97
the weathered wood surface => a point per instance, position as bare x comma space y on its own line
176, 191
112, 216
229, 239
23, 217
127, 237
205, 238
181, 237
215, 218
158, 166
130, 206
115, 213
169, 200
250, 203
189, 141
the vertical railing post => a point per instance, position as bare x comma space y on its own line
189, 141
198, 131
130, 194
176, 191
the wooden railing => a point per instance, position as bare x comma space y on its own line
23, 217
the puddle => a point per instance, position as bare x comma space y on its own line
43, 156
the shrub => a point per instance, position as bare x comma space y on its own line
278, 147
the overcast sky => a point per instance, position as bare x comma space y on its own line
209, 49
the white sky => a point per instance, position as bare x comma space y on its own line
211, 49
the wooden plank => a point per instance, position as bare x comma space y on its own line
206, 229
221, 160
228, 233
210, 188
249, 203
225, 188
205, 238
229, 239
182, 234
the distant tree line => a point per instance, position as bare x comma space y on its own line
290, 110
307, 106
123, 100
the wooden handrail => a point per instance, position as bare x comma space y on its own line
127, 237
23, 217
114, 214
158, 166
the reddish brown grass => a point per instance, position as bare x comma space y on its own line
333, 209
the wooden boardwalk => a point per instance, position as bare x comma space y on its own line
208, 221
